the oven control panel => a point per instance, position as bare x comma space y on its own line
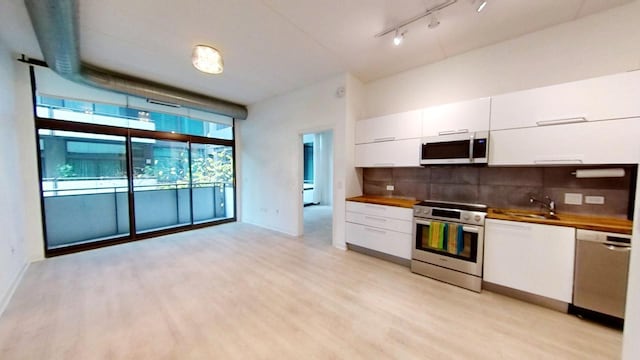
450, 214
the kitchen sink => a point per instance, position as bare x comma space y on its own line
535, 216
527, 215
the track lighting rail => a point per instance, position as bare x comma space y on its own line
416, 18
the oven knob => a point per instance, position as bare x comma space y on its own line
466, 217
477, 218
426, 211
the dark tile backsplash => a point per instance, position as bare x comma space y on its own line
504, 187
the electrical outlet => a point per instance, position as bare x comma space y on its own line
573, 199
595, 200
390, 187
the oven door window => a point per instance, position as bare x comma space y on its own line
447, 239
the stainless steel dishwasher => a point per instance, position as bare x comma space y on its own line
601, 270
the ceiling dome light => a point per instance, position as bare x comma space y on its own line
482, 5
207, 59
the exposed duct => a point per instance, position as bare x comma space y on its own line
55, 23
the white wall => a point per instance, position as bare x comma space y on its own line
344, 158
270, 174
600, 44
30, 195
13, 258
355, 111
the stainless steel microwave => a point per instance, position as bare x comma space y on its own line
459, 148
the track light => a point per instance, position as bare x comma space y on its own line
483, 3
397, 39
434, 21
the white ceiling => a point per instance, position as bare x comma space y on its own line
273, 46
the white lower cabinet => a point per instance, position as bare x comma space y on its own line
399, 153
386, 229
530, 257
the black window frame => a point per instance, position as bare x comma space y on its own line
128, 133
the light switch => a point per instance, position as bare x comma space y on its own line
595, 200
390, 187
573, 199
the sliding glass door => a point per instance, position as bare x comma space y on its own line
84, 186
212, 179
161, 184
104, 185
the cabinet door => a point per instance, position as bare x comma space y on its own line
377, 210
401, 153
400, 126
602, 98
530, 257
598, 142
380, 222
385, 241
460, 117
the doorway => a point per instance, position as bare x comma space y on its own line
317, 192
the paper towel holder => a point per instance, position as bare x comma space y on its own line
599, 173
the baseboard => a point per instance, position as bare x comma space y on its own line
281, 231
380, 255
544, 301
12, 289
340, 246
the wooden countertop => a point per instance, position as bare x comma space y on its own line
614, 225
621, 226
385, 200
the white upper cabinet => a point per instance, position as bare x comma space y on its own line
400, 126
608, 97
460, 117
399, 153
597, 142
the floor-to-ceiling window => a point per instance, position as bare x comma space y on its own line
113, 173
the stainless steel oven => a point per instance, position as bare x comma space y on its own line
448, 242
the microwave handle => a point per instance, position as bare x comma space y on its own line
453, 132
471, 137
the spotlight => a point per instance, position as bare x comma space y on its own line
434, 22
482, 5
397, 40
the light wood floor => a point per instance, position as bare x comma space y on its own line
237, 291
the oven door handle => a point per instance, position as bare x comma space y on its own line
471, 229
423, 222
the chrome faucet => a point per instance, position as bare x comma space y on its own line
548, 204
